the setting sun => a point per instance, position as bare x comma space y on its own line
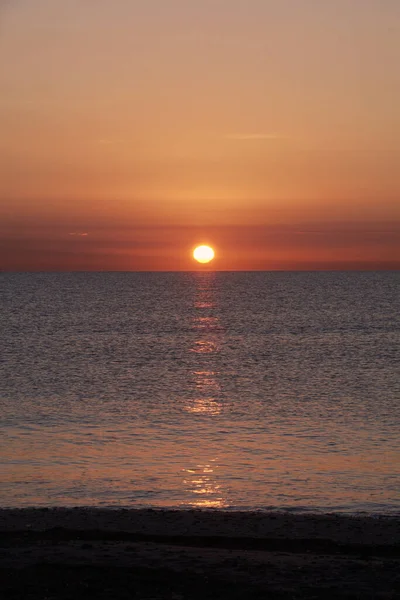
203, 254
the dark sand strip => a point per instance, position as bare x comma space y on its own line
298, 546
84, 553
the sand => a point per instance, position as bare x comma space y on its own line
154, 554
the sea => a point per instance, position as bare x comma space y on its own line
241, 391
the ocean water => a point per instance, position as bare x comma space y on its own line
238, 391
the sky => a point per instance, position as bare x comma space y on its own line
133, 130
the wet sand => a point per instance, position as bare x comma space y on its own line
84, 553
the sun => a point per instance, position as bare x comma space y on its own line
203, 254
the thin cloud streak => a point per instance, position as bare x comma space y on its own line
253, 136
168, 247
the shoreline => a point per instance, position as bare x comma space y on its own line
149, 553
155, 521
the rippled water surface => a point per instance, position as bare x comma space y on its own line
222, 390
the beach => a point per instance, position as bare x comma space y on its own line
103, 553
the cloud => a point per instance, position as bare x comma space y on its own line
79, 233
109, 142
253, 136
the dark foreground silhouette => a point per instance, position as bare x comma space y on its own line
78, 553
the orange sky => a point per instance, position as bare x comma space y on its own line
268, 129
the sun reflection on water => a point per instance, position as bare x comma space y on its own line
205, 396
201, 482
204, 347
207, 385
205, 406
